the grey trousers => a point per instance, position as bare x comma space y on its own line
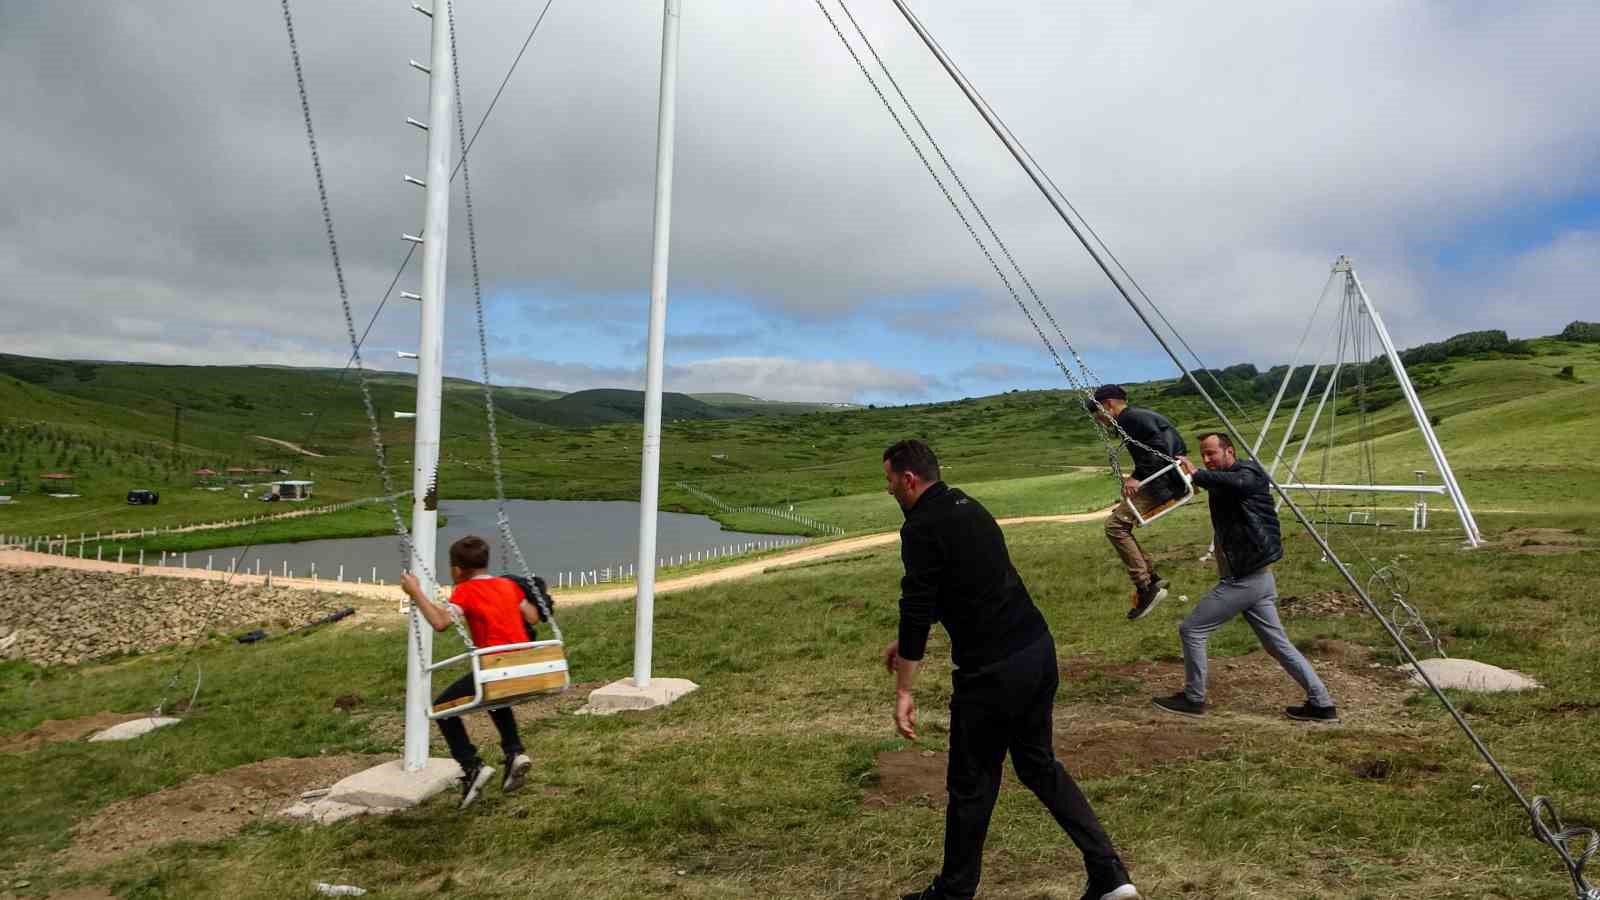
1255, 597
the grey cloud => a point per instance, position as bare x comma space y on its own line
160, 199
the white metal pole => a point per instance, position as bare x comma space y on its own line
430, 353
650, 473
1468, 523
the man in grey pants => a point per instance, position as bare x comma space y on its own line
1245, 522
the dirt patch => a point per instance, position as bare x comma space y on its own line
347, 702
51, 731
1367, 692
1122, 747
1327, 604
1115, 748
904, 776
1542, 541
206, 807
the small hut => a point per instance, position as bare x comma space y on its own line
292, 490
57, 484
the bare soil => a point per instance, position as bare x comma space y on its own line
1543, 541
206, 807
51, 731
1320, 604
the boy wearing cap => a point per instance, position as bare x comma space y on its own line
1153, 430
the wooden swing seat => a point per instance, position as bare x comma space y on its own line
506, 675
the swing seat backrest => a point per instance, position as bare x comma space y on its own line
509, 674
1156, 512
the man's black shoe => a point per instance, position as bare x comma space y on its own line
1152, 593
1123, 891
473, 778
1180, 704
1311, 713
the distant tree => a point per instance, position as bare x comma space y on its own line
1584, 332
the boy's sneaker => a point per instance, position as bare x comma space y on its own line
931, 892
1152, 593
1179, 703
1124, 891
473, 778
1312, 713
517, 768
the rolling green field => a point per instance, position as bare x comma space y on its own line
782, 776
1512, 426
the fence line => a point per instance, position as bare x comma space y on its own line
47, 543
622, 573
798, 519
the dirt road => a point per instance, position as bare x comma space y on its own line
735, 572
290, 446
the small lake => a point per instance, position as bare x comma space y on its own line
554, 535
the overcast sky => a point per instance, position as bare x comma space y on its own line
159, 203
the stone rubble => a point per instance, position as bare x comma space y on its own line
55, 617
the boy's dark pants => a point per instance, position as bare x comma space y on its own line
455, 732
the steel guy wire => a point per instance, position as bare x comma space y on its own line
1553, 833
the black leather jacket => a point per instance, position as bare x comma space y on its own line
1243, 516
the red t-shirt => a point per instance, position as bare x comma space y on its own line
493, 610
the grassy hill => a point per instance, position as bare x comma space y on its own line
1500, 418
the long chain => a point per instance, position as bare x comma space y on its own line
1081, 382
408, 555
502, 519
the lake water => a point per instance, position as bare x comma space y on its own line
555, 536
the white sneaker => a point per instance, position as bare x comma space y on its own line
517, 769
1126, 892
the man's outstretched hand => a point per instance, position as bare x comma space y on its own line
1186, 465
1130, 486
905, 715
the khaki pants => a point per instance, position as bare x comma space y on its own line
1119, 531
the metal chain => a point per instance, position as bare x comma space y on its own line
408, 554
508, 539
1083, 386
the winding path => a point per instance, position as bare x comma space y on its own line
735, 572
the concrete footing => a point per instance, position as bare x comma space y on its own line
624, 695
127, 731
378, 790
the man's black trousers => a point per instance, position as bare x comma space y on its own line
455, 731
1006, 707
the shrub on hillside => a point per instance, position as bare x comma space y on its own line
1584, 332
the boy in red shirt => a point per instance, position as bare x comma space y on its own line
496, 612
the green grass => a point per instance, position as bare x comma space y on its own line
755, 783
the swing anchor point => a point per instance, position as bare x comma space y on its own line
378, 790
625, 696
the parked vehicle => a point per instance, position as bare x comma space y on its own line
142, 497
268, 497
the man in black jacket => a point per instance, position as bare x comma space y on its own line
1155, 432
1245, 523
958, 572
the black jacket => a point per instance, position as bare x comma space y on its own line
958, 572
1153, 429
1243, 516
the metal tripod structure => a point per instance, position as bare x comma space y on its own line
1356, 310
